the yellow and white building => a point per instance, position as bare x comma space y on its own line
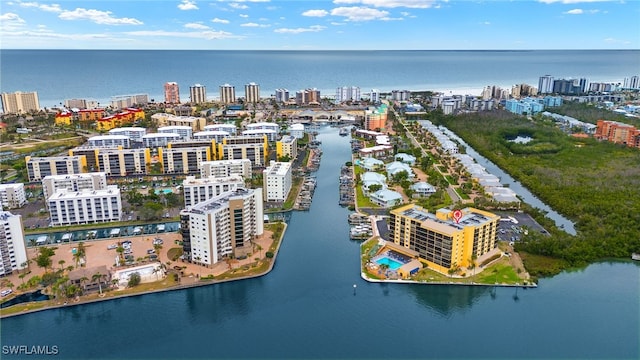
440, 241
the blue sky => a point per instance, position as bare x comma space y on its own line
321, 25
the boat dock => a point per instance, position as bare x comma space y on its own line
347, 195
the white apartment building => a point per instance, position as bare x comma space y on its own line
12, 196
277, 181
19, 102
76, 182
297, 131
230, 128
282, 95
216, 135
126, 101
287, 146
347, 93
270, 134
197, 190
185, 132
134, 134
159, 139
109, 141
400, 95
13, 250
226, 168
85, 207
374, 96
185, 160
39, 167
264, 126
214, 229
252, 93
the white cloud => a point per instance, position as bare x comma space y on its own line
485, 23
220, 21
97, 16
238, 6
208, 35
196, 26
616, 41
313, 28
574, 12
244, 16
255, 25
335, 23
315, 13
10, 22
188, 5
416, 4
571, 1
356, 13
44, 7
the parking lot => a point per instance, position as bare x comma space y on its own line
518, 226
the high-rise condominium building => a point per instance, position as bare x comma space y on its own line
282, 95
198, 94
171, 93
214, 229
545, 84
252, 92
19, 102
347, 93
632, 83
13, 251
227, 94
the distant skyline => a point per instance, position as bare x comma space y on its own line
320, 25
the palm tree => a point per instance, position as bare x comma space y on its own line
21, 276
472, 263
83, 281
97, 276
61, 263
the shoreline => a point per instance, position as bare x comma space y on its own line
200, 283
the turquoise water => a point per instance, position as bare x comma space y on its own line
165, 191
393, 265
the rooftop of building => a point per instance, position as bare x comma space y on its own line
278, 168
470, 217
218, 201
193, 181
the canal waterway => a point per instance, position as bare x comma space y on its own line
307, 308
506, 179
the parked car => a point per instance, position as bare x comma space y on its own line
112, 246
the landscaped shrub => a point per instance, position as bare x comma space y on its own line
269, 254
494, 257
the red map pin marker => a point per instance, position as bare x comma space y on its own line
457, 215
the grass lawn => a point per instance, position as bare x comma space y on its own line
363, 201
174, 253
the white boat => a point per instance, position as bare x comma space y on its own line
635, 256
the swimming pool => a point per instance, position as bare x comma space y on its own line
393, 265
165, 191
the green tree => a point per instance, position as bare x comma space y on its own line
98, 277
134, 279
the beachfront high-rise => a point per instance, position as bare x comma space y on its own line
227, 94
13, 251
171, 93
347, 93
198, 94
221, 226
631, 83
20, 102
282, 95
439, 240
252, 93
545, 84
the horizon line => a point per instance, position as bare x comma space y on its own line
303, 50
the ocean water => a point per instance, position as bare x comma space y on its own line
99, 74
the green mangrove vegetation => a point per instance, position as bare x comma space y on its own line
596, 184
